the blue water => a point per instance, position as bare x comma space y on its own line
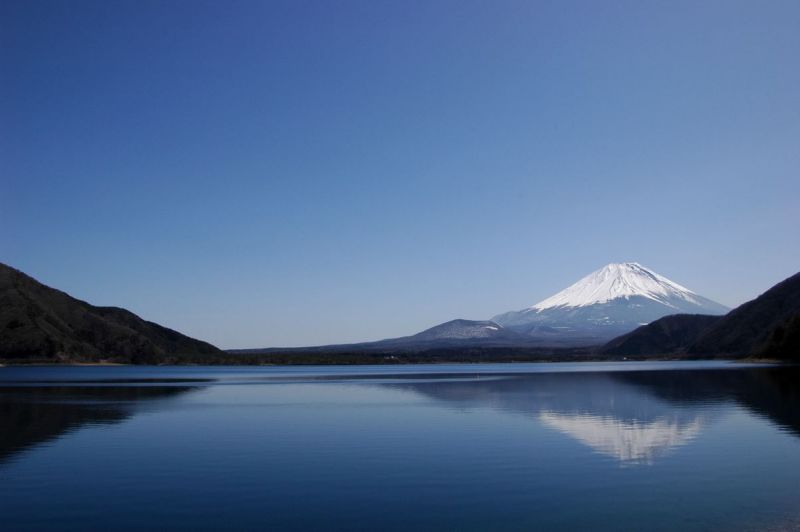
611, 446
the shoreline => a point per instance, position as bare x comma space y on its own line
760, 361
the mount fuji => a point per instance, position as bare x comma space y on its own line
611, 301
608, 303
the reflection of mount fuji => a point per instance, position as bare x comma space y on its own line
634, 416
624, 440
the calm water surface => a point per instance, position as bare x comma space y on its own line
614, 446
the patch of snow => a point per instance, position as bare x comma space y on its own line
618, 280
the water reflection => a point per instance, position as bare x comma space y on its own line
30, 415
769, 392
634, 417
635, 442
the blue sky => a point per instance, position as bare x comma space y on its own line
295, 173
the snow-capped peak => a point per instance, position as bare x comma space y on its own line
618, 280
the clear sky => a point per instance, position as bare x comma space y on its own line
293, 173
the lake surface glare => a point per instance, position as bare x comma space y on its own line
581, 446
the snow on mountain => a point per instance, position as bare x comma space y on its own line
619, 280
611, 301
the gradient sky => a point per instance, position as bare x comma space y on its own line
294, 173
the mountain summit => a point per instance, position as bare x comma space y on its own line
617, 280
611, 301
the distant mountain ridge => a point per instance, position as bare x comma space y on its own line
451, 334
466, 329
39, 322
606, 303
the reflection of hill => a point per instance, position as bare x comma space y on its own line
771, 392
634, 416
33, 415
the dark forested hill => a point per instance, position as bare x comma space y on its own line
668, 335
745, 329
766, 326
784, 341
42, 323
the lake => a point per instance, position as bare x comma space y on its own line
583, 446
